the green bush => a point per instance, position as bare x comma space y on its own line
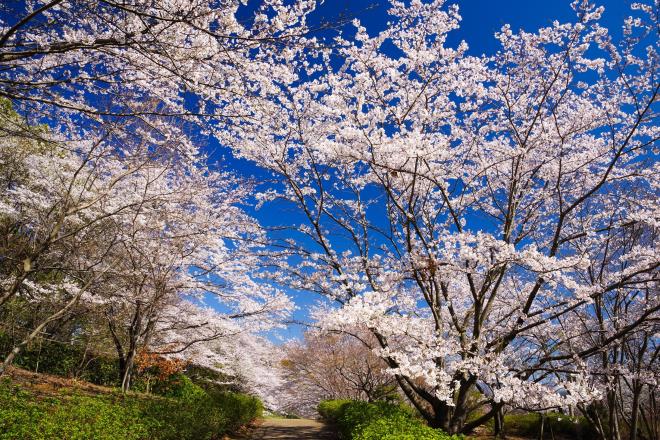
193, 415
331, 410
240, 408
399, 427
22, 416
379, 420
101, 371
177, 386
356, 416
197, 417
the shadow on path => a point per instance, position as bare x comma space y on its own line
291, 429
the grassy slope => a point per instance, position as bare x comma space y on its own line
42, 406
48, 385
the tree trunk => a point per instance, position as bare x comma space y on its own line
499, 424
494, 409
634, 415
127, 374
613, 419
437, 413
9, 359
460, 413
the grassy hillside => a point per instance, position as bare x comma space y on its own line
37, 406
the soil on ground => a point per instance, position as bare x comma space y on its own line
48, 385
290, 429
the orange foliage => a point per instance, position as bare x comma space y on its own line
161, 366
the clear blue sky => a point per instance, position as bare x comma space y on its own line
481, 19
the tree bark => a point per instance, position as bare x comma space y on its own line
9, 359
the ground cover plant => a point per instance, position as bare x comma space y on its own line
72, 414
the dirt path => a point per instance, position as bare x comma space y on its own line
291, 429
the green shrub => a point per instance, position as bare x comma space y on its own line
101, 371
240, 408
356, 416
22, 416
379, 420
197, 417
331, 410
399, 427
193, 415
177, 386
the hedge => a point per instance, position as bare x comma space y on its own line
374, 421
70, 416
330, 410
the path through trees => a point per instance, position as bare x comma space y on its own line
290, 429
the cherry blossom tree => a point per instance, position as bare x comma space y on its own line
110, 191
57, 212
491, 221
136, 234
473, 213
333, 366
627, 370
178, 251
251, 362
94, 62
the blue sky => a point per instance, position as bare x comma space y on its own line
481, 19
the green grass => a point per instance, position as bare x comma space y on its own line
70, 416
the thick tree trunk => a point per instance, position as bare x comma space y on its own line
494, 409
437, 413
460, 412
